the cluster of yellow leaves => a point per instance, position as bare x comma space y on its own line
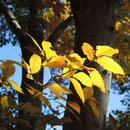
8, 70
73, 69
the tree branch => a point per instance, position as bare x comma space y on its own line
11, 20
59, 29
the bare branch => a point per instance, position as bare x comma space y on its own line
11, 20
59, 29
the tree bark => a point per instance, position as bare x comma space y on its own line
35, 29
94, 23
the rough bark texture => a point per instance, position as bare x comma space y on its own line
94, 22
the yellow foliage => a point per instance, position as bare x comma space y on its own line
56, 62
88, 51
8, 69
118, 25
88, 92
94, 107
110, 65
47, 47
35, 42
57, 89
97, 80
78, 89
83, 78
15, 85
35, 63
67, 73
4, 102
105, 51
75, 61
75, 106
39, 94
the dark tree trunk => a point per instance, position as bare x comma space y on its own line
94, 23
35, 28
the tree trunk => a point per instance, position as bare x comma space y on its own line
94, 23
36, 31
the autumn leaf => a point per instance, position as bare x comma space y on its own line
78, 89
47, 47
88, 51
110, 65
105, 51
83, 78
8, 69
97, 80
67, 73
4, 102
35, 42
75, 106
15, 85
57, 89
5, 86
75, 61
35, 63
56, 62
38, 94
94, 108
118, 25
88, 92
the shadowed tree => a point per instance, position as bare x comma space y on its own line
94, 23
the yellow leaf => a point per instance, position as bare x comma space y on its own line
57, 89
56, 62
110, 65
48, 51
75, 106
97, 80
5, 86
35, 63
105, 51
75, 61
67, 73
88, 51
83, 78
118, 25
78, 89
8, 69
38, 94
94, 108
35, 42
4, 102
15, 85
88, 92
